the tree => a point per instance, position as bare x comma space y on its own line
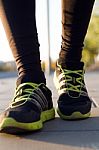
91, 41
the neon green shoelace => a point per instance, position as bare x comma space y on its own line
23, 94
69, 78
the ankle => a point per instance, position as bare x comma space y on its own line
37, 77
71, 65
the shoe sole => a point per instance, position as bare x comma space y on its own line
10, 125
74, 116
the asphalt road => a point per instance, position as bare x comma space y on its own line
56, 134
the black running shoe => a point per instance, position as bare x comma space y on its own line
31, 106
73, 102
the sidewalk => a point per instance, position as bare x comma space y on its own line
57, 134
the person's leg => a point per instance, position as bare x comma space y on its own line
32, 103
19, 21
74, 102
75, 20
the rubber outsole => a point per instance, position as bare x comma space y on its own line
74, 116
10, 125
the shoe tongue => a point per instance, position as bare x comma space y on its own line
72, 65
30, 78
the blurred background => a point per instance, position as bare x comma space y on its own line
48, 15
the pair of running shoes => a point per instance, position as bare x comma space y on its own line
32, 103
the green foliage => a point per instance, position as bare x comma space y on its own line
92, 41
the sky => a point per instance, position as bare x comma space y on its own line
5, 52
53, 37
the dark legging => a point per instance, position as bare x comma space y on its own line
75, 20
18, 17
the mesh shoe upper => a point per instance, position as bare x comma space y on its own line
30, 100
69, 80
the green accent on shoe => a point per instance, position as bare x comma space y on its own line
48, 115
12, 123
70, 87
23, 98
73, 116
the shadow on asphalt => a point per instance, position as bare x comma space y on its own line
69, 133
